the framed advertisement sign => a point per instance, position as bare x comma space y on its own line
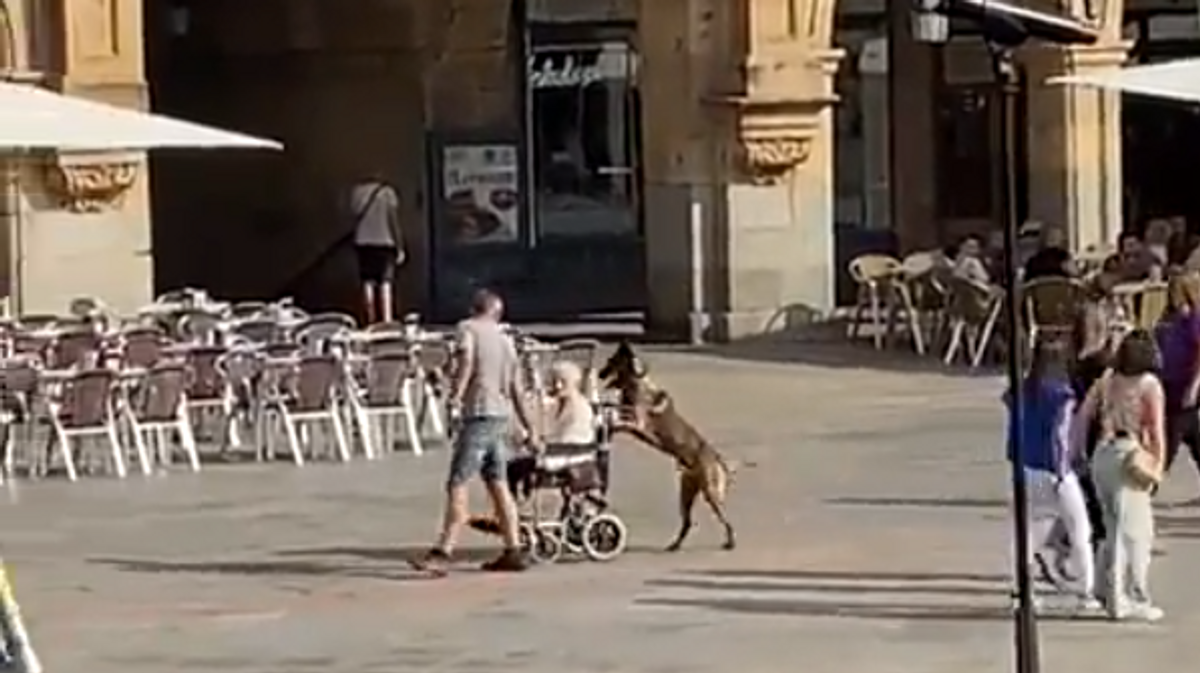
477, 217
480, 194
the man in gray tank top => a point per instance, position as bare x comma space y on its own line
487, 391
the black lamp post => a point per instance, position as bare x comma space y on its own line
1006, 27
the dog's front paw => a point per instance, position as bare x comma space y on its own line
674, 547
729, 545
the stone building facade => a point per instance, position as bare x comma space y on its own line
735, 154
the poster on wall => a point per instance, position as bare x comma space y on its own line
480, 187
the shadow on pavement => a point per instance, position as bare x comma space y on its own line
400, 554
396, 554
856, 584
856, 610
913, 578
874, 587
247, 568
837, 353
900, 501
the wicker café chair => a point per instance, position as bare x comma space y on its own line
883, 291
1052, 307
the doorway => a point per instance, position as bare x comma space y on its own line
585, 145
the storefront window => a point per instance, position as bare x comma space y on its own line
583, 139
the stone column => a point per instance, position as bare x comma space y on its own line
1075, 167
738, 162
84, 218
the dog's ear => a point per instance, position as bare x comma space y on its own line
621, 357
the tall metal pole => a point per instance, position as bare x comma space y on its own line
1025, 629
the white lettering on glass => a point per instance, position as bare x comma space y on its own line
570, 72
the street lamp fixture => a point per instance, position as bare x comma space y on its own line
1005, 27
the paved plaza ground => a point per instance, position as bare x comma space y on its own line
873, 539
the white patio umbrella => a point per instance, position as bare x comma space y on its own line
1176, 80
33, 118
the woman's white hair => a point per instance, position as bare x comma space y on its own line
568, 373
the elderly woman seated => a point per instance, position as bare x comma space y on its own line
570, 430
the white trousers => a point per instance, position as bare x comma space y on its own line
1052, 503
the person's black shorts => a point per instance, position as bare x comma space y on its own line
376, 263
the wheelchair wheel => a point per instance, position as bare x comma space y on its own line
604, 537
543, 546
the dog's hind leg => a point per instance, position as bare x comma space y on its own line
689, 488
715, 485
718, 509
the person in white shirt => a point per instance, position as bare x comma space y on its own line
375, 212
968, 263
572, 419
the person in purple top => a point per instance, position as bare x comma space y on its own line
1178, 337
1050, 469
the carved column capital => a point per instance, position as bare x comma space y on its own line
90, 184
774, 135
767, 160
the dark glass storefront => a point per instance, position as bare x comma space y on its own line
550, 216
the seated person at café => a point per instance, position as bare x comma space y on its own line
1133, 261
1052, 259
993, 253
968, 261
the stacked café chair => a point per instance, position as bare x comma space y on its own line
323, 332
243, 374
142, 347
209, 398
195, 326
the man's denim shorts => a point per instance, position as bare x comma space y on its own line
480, 448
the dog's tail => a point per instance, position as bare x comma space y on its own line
735, 465
485, 524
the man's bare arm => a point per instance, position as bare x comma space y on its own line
464, 363
516, 396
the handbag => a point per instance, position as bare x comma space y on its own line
1142, 469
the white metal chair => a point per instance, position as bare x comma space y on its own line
84, 410
387, 393
157, 409
313, 398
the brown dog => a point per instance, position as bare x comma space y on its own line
656, 422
